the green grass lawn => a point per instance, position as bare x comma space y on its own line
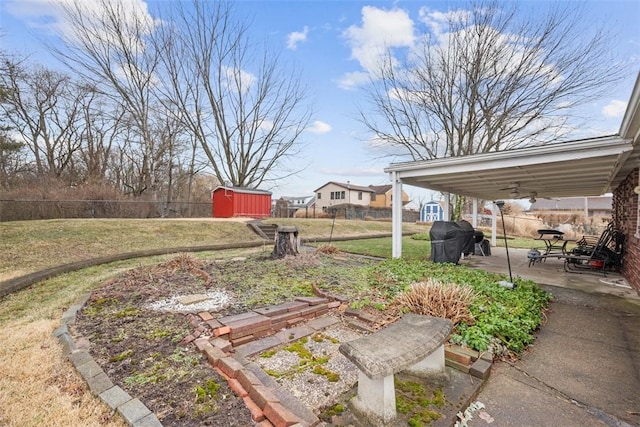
30, 246
413, 248
381, 247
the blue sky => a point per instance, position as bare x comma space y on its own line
333, 43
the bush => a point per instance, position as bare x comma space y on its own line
503, 316
434, 298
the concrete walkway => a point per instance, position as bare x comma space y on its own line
584, 369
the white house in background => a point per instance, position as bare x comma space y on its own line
337, 193
287, 206
299, 202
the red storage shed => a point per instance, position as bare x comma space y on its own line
238, 201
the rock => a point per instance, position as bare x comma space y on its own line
193, 299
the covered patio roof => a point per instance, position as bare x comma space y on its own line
588, 167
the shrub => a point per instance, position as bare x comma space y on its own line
503, 316
434, 298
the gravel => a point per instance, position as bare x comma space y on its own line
212, 301
314, 390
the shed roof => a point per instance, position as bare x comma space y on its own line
243, 190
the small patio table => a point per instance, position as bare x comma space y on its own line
554, 241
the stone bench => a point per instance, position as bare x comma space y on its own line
414, 344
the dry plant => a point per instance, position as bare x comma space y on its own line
183, 261
433, 298
328, 249
187, 262
521, 225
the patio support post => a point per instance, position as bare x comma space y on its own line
396, 216
493, 224
474, 216
447, 204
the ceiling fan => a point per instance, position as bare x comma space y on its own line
517, 192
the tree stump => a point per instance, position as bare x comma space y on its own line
286, 242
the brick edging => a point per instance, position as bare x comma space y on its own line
227, 340
132, 410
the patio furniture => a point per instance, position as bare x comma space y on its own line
554, 241
603, 256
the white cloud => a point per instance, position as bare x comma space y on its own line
352, 80
297, 37
319, 128
438, 22
238, 78
49, 15
380, 30
614, 108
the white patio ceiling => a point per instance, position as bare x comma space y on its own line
589, 167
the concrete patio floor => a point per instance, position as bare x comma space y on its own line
583, 368
551, 272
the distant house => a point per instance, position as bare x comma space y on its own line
336, 193
239, 201
595, 207
432, 211
286, 206
382, 197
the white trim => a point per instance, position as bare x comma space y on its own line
588, 167
632, 114
584, 148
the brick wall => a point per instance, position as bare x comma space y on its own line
625, 217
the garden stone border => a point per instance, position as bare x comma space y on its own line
132, 410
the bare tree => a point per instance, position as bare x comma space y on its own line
245, 111
12, 161
42, 106
491, 80
108, 46
101, 130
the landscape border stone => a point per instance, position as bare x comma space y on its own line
133, 411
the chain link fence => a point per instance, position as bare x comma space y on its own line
19, 210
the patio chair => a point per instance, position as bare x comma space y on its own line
603, 256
